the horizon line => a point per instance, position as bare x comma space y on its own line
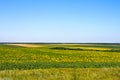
60, 42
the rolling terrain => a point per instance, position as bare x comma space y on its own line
60, 61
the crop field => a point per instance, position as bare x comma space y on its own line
59, 61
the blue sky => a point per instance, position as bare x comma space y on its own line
60, 21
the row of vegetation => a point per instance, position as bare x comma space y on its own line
66, 48
44, 65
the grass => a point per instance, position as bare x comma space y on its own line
60, 62
62, 74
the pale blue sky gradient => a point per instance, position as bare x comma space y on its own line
60, 21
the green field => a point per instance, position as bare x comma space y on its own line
60, 62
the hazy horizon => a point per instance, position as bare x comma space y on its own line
63, 21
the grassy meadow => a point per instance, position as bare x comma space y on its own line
59, 61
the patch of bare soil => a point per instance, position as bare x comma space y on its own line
25, 45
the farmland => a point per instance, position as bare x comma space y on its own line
60, 61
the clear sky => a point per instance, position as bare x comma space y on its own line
60, 21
